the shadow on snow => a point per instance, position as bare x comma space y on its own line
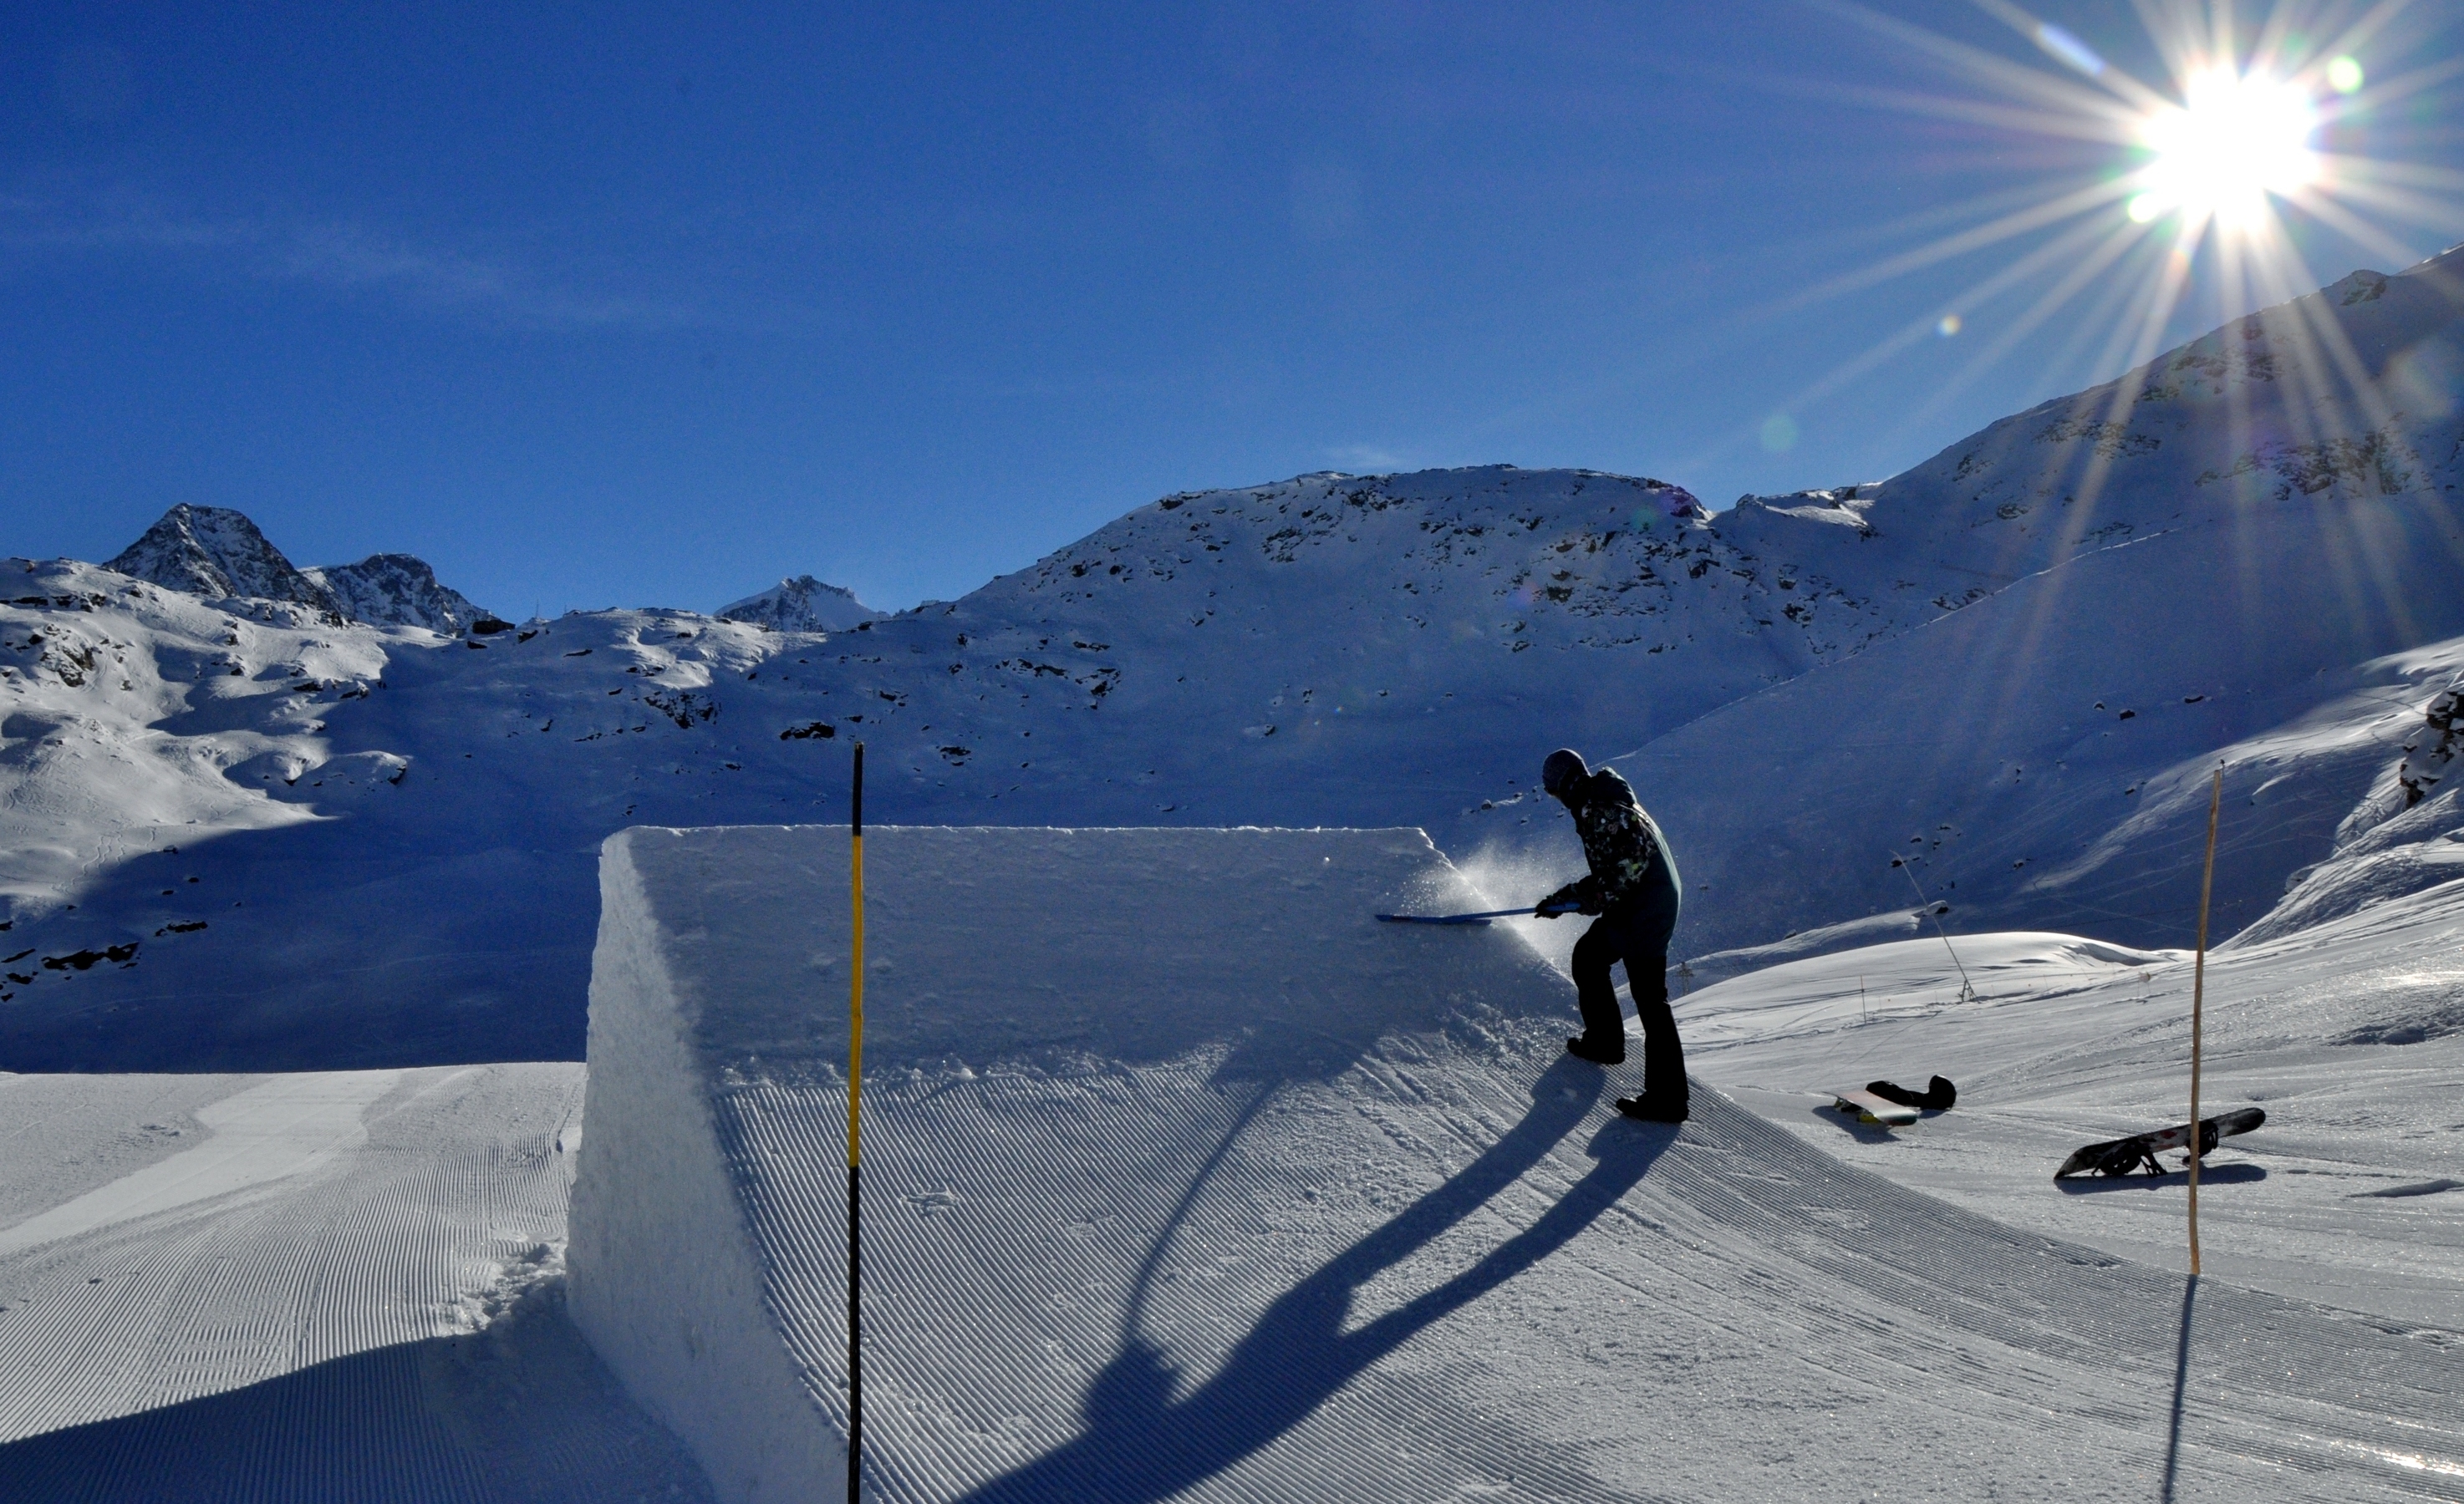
522, 1412
1141, 1444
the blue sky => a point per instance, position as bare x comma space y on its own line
596, 305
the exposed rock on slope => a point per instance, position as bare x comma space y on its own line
801, 604
397, 590
217, 553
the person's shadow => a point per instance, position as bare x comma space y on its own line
1140, 1444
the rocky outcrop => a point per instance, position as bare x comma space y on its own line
398, 590
219, 553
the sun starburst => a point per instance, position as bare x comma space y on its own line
2189, 187
2234, 141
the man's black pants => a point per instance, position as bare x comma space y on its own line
1638, 935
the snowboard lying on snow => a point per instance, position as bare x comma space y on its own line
1870, 1108
2121, 1155
1895, 1106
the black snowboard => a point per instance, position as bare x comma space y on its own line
2139, 1151
1937, 1097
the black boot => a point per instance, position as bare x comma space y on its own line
1652, 1109
1581, 1048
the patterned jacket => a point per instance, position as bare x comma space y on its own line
1630, 858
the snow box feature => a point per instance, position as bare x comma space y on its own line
1029, 991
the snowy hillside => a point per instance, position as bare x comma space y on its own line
801, 604
2013, 665
2280, 539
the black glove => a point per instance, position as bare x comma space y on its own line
1557, 903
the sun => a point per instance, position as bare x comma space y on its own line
2263, 131
2236, 141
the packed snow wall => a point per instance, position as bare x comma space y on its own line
1138, 986
1185, 1180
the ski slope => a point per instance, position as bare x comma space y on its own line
2349, 1034
319, 1285
1186, 1180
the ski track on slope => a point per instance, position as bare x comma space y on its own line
287, 1126
288, 1309
1025, 1311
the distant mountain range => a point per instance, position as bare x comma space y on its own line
1989, 690
218, 554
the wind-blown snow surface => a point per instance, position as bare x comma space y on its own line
323, 1285
1326, 1211
2014, 662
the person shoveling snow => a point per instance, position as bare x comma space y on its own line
1633, 889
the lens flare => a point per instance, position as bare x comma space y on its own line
2259, 146
2235, 141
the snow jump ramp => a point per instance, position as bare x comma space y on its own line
1185, 1180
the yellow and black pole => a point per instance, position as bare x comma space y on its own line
2198, 1004
856, 1120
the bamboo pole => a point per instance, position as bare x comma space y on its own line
2198, 1002
854, 1140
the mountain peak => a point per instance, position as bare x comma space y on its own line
398, 590
218, 552
801, 604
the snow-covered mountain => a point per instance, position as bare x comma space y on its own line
398, 590
801, 604
218, 554
1996, 681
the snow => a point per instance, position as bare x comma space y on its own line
2349, 1033
1186, 1179
288, 1126
191, 1265
719, 1039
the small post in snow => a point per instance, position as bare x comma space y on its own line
855, 1100
2198, 1002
